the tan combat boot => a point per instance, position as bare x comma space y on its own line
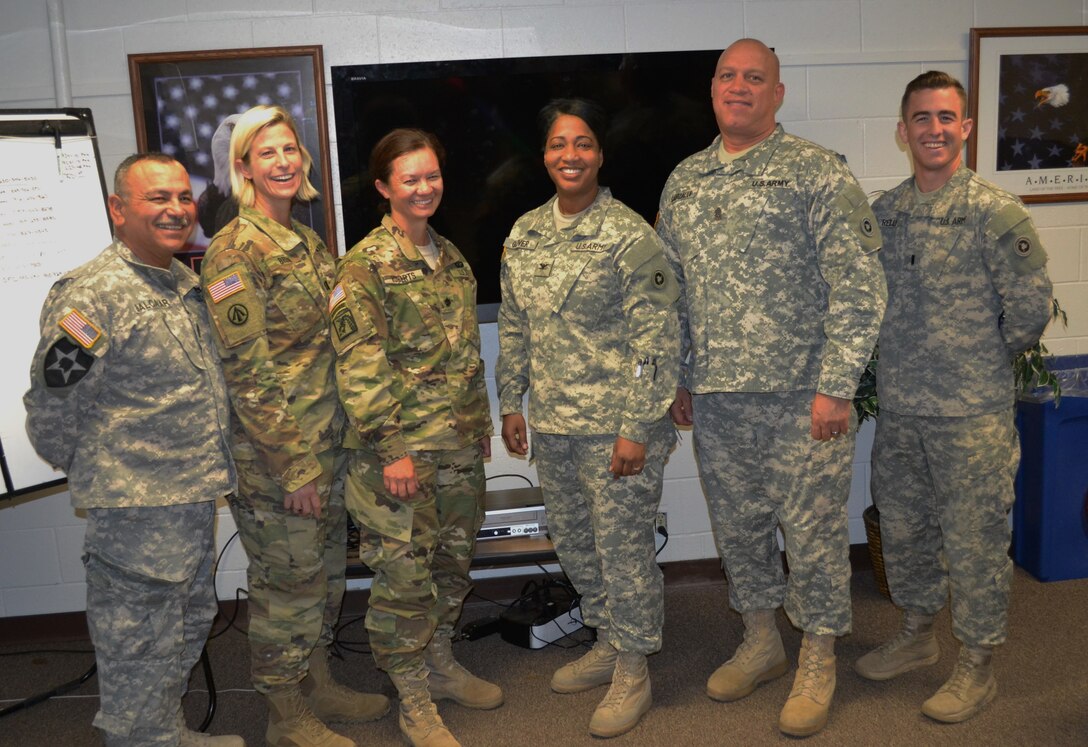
759, 658
912, 647
971, 686
806, 709
587, 672
189, 738
419, 719
331, 701
291, 723
627, 700
448, 679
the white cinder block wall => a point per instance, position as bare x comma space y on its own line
845, 63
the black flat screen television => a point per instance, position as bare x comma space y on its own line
484, 113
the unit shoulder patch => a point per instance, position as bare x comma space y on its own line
65, 364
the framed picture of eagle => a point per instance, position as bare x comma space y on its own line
1029, 101
185, 105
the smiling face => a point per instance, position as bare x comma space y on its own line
274, 165
934, 129
414, 188
573, 158
746, 93
154, 213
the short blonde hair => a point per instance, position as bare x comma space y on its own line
241, 140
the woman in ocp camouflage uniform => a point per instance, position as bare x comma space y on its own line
412, 383
266, 281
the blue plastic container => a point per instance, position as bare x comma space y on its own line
1050, 517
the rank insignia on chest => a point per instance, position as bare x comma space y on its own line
542, 269
226, 286
81, 330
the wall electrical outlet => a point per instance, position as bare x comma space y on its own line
661, 522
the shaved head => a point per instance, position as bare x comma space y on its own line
770, 58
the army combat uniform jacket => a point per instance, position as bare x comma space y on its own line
967, 291
408, 347
126, 393
588, 323
267, 290
776, 259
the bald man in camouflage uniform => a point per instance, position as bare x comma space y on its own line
267, 288
775, 247
127, 398
967, 291
588, 326
412, 383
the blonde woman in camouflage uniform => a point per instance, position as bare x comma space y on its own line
411, 380
588, 325
266, 281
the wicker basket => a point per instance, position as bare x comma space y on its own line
871, 517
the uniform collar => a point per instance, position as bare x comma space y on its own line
906, 203
408, 248
177, 276
285, 238
589, 224
755, 161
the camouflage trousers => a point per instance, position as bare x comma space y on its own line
603, 531
150, 604
762, 470
296, 571
419, 549
944, 487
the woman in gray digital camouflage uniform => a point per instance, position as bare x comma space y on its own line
588, 325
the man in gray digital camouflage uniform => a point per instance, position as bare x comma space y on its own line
967, 291
774, 246
128, 399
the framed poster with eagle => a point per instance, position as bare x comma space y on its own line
1029, 100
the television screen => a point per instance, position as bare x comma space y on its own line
484, 113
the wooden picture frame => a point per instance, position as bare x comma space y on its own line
179, 102
1030, 135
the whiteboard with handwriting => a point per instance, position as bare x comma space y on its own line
52, 219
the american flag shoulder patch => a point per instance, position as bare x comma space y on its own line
336, 296
226, 286
81, 330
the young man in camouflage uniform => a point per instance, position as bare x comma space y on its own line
967, 291
774, 246
127, 398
